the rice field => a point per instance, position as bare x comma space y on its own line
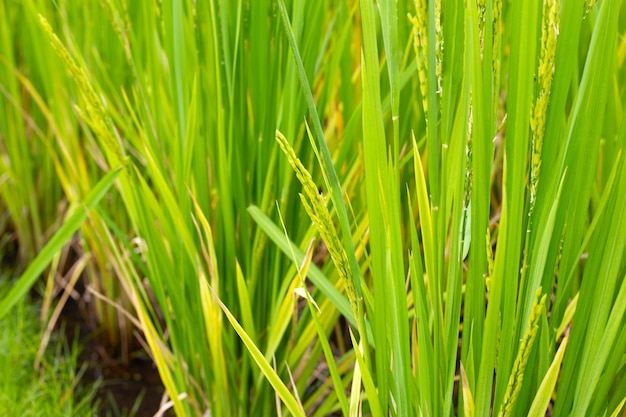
324, 208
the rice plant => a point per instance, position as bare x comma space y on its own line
333, 207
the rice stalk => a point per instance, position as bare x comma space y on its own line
523, 354
315, 206
549, 35
95, 114
420, 45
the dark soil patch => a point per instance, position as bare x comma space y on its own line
131, 389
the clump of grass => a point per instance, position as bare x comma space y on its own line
53, 389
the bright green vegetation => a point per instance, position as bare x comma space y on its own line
54, 389
353, 207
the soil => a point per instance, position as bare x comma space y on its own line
122, 388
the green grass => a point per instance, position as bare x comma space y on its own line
313, 207
55, 388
